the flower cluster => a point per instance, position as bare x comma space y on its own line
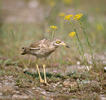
99, 27
67, 1
72, 34
77, 16
53, 27
61, 14
52, 3
74, 17
68, 17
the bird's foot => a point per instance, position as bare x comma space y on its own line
46, 83
42, 81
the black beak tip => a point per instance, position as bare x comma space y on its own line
22, 53
67, 46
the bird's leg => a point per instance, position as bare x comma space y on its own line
44, 73
41, 80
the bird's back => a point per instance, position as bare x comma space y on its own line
42, 48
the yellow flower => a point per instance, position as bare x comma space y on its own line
61, 14
48, 30
52, 3
53, 27
67, 1
78, 16
72, 34
99, 27
68, 17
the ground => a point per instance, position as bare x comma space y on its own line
78, 73
75, 82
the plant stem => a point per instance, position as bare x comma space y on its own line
53, 34
87, 40
80, 44
62, 25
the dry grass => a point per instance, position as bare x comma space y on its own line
90, 38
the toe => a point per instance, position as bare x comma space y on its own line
41, 81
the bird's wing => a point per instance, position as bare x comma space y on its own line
37, 45
34, 48
45, 43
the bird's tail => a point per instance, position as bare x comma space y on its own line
24, 51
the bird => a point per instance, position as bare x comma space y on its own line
42, 49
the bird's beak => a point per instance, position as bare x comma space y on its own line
64, 44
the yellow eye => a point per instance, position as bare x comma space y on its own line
58, 42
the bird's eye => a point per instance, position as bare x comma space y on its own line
58, 42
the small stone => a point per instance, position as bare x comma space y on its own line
1, 94
78, 63
17, 92
104, 69
44, 92
95, 86
25, 69
7, 89
66, 83
18, 97
33, 88
72, 85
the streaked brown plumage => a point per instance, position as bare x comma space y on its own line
43, 49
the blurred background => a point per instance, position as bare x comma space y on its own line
78, 72
24, 21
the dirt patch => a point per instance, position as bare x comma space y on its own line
18, 85
22, 11
76, 81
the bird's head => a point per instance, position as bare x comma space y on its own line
58, 43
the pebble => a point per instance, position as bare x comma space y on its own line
66, 83
18, 97
1, 94
104, 69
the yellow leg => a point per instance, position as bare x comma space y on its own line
44, 73
41, 80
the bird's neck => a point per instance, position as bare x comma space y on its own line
53, 46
